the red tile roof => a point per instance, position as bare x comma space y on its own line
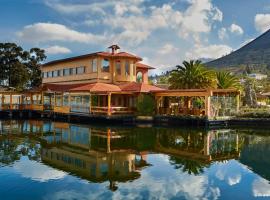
102, 53
97, 87
83, 87
101, 87
141, 65
139, 87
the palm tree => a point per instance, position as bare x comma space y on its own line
226, 80
192, 75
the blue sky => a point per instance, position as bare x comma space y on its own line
163, 33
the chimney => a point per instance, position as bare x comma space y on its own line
114, 48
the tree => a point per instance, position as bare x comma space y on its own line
250, 98
226, 80
192, 75
145, 104
20, 68
36, 57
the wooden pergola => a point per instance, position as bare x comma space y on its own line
204, 94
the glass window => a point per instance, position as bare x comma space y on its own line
94, 65
118, 67
65, 100
50, 74
139, 77
58, 99
127, 68
45, 74
105, 65
80, 70
66, 72
72, 71
55, 73
60, 72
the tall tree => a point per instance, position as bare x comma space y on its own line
20, 68
192, 75
226, 80
35, 58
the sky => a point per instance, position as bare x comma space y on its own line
163, 33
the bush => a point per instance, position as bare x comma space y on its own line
145, 105
254, 113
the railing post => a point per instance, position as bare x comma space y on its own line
207, 106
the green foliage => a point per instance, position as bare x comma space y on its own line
254, 113
145, 105
192, 75
226, 80
20, 68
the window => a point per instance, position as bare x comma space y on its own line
105, 65
50, 74
55, 73
118, 67
94, 65
66, 72
60, 72
72, 71
80, 70
139, 77
127, 68
45, 74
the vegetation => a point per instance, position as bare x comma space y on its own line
192, 75
226, 80
145, 105
19, 68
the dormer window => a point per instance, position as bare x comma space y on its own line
118, 67
105, 65
127, 68
94, 65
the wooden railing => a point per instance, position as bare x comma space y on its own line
95, 110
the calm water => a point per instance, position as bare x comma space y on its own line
52, 160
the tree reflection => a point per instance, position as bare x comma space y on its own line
189, 166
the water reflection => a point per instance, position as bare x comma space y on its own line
118, 155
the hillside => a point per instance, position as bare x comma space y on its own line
256, 54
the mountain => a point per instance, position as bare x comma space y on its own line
255, 54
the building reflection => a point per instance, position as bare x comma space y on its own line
100, 154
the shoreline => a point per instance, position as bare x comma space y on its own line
143, 121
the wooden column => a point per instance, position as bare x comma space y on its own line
109, 104
62, 99
207, 106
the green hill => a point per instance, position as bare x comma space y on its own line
255, 54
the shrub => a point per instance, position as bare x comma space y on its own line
145, 104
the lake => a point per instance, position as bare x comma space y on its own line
57, 160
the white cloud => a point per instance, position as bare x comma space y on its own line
37, 171
57, 50
236, 29
210, 51
261, 188
222, 33
167, 48
44, 32
262, 22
